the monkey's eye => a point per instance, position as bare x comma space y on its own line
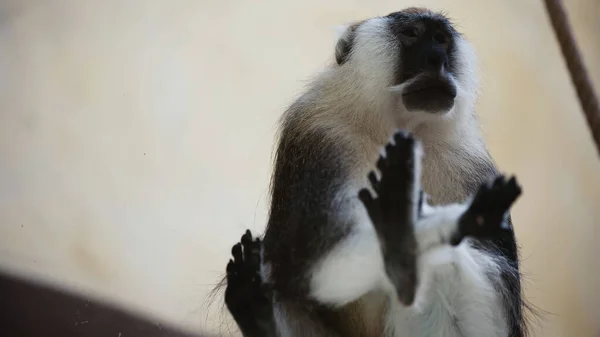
440, 38
410, 32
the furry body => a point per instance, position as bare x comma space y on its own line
330, 267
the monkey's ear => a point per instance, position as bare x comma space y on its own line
345, 41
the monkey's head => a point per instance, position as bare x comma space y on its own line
417, 55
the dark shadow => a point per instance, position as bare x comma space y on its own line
33, 310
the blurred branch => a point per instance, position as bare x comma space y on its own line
577, 70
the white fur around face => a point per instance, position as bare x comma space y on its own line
374, 54
375, 51
466, 81
368, 74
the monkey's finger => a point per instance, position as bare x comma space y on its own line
494, 194
231, 270
481, 196
249, 251
510, 193
236, 251
514, 187
498, 182
373, 180
246, 238
367, 199
252, 255
365, 196
249, 246
404, 144
371, 205
381, 164
402, 136
391, 154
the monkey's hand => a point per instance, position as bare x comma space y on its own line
393, 212
247, 297
486, 215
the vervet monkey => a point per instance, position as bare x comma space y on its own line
333, 269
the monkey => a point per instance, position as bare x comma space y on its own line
407, 231
322, 254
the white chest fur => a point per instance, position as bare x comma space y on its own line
456, 298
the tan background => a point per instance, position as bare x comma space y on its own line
135, 140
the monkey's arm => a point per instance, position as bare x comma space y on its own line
442, 267
394, 212
382, 250
320, 244
469, 274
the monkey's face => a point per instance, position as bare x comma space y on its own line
416, 54
427, 66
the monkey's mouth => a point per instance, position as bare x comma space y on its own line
430, 95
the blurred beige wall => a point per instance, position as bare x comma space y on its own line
135, 140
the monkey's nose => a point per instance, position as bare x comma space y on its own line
436, 60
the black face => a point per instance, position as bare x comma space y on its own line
427, 58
